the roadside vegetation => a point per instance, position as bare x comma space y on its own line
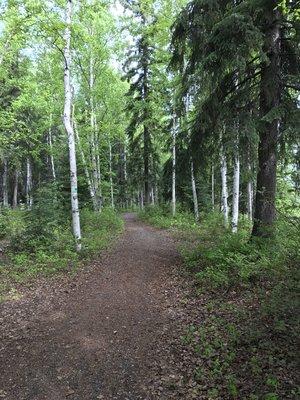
39, 242
243, 337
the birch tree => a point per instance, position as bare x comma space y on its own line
174, 167
111, 177
224, 190
16, 189
29, 186
50, 143
194, 191
69, 127
5, 183
249, 191
235, 188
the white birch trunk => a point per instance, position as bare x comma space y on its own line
111, 178
69, 127
224, 200
174, 168
152, 196
4, 183
194, 190
50, 142
85, 167
235, 192
142, 199
125, 163
29, 198
156, 193
15, 192
93, 142
99, 179
250, 193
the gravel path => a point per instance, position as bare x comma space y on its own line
96, 335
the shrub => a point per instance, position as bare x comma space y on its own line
11, 222
41, 240
98, 229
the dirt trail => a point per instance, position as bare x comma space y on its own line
95, 336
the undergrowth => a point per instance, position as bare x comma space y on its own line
245, 345
39, 242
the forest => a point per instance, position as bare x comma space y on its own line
149, 199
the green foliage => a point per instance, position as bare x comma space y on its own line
40, 240
249, 301
98, 230
44, 223
161, 217
11, 223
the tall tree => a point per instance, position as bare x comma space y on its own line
138, 68
69, 126
214, 42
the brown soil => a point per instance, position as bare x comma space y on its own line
97, 335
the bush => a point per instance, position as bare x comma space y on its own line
245, 343
161, 217
41, 240
43, 223
11, 223
98, 229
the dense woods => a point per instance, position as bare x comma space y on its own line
186, 112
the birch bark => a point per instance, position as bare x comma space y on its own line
85, 166
249, 192
16, 187
224, 199
194, 190
152, 196
236, 191
29, 198
69, 127
111, 178
4, 182
93, 141
142, 199
50, 142
174, 167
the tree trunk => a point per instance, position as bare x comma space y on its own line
123, 172
99, 179
174, 168
141, 200
265, 214
51, 150
146, 165
156, 193
224, 200
29, 198
235, 191
15, 192
94, 142
4, 183
194, 190
85, 166
213, 187
111, 178
69, 128
146, 132
249, 192
152, 196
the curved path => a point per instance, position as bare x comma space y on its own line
96, 335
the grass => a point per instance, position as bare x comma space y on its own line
245, 345
29, 254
